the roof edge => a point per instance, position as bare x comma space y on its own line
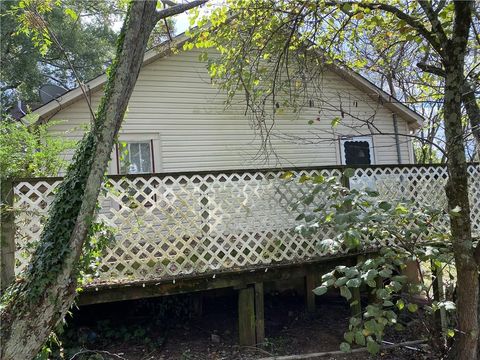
414, 119
46, 111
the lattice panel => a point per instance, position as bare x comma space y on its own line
176, 225
32, 200
474, 196
424, 185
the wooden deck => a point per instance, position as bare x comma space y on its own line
191, 224
189, 232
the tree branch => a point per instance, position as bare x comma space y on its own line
432, 69
414, 23
433, 18
177, 8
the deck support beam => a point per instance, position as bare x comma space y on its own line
259, 313
182, 285
246, 316
251, 315
310, 285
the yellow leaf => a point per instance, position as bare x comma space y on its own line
359, 16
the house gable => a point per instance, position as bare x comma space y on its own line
176, 105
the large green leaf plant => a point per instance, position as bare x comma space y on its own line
387, 235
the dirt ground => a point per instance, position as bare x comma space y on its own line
164, 329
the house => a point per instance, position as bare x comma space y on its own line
189, 211
177, 121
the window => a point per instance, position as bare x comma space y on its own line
357, 150
135, 157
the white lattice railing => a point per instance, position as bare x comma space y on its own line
169, 225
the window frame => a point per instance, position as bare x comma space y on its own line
128, 144
137, 137
359, 138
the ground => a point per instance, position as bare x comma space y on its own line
165, 329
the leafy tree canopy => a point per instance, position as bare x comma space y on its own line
30, 151
85, 31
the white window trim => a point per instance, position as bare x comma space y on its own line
140, 136
368, 139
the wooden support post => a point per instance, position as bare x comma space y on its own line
310, 284
7, 234
246, 316
197, 305
259, 313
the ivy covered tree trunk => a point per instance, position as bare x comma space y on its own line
457, 189
32, 307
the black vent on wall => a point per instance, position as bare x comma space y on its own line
357, 153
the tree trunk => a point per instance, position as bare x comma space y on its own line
457, 191
33, 307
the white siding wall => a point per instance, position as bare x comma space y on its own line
175, 102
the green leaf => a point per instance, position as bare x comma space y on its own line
412, 307
71, 13
372, 346
349, 336
287, 175
345, 347
359, 338
355, 283
345, 292
371, 274
382, 294
384, 205
400, 304
385, 273
341, 281
335, 121
320, 290
349, 172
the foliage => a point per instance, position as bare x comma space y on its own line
63, 212
29, 151
277, 46
394, 232
84, 31
273, 50
83, 28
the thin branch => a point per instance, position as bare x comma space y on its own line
432, 69
339, 352
103, 352
62, 50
